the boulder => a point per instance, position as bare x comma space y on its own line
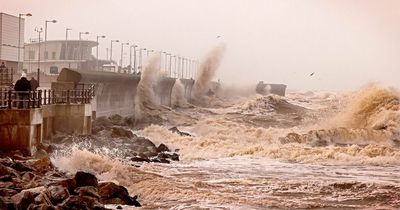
144, 147
42, 164
70, 184
88, 191
43, 198
177, 131
121, 132
163, 148
80, 203
23, 199
6, 192
85, 179
41, 207
111, 190
57, 194
117, 120
4, 171
21, 167
140, 159
112, 193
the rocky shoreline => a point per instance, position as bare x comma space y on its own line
34, 183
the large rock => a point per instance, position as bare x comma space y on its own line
112, 193
4, 171
23, 199
21, 167
5, 192
43, 164
144, 147
177, 131
85, 179
162, 148
80, 203
121, 132
57, 194
88, 191
41, 207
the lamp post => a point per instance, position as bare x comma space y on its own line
140, 58
148, 52
166, 61
66, 46
45, 37
39, 30
175, 58
19, 36
130, 58
80, 45
183, 67
122, 54
170, 64
111, 48
97, 51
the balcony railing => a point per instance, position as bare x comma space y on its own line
10, 99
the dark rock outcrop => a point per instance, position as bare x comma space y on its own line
177, 131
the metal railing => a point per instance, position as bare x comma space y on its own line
10, 99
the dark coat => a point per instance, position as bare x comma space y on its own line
34, 84
22, 85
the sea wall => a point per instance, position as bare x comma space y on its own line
188, 86
114, 92
163, 90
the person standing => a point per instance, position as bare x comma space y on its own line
34, 84
22, 86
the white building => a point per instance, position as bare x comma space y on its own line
58, 54
9, 27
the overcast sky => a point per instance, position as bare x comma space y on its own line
347, 43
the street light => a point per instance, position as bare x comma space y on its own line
111, 49
97, 51
19, 36
166, 62
45, 37
39, 30
122, 54
66, 57
170, 64
130, 58
140, 59
80, 47
134, 57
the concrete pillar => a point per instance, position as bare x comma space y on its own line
20, 129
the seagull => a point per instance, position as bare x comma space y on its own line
311, 74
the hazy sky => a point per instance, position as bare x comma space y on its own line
347, 43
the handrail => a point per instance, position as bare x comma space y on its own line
10, 99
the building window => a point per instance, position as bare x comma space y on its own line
53, 70
31, 54
53, 55
46, 55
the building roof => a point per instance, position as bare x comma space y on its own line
83, 42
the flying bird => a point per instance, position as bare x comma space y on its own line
218, 37
311, 74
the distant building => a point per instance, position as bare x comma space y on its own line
58, 54
9, 26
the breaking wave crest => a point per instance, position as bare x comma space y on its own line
145, 102
206, 72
